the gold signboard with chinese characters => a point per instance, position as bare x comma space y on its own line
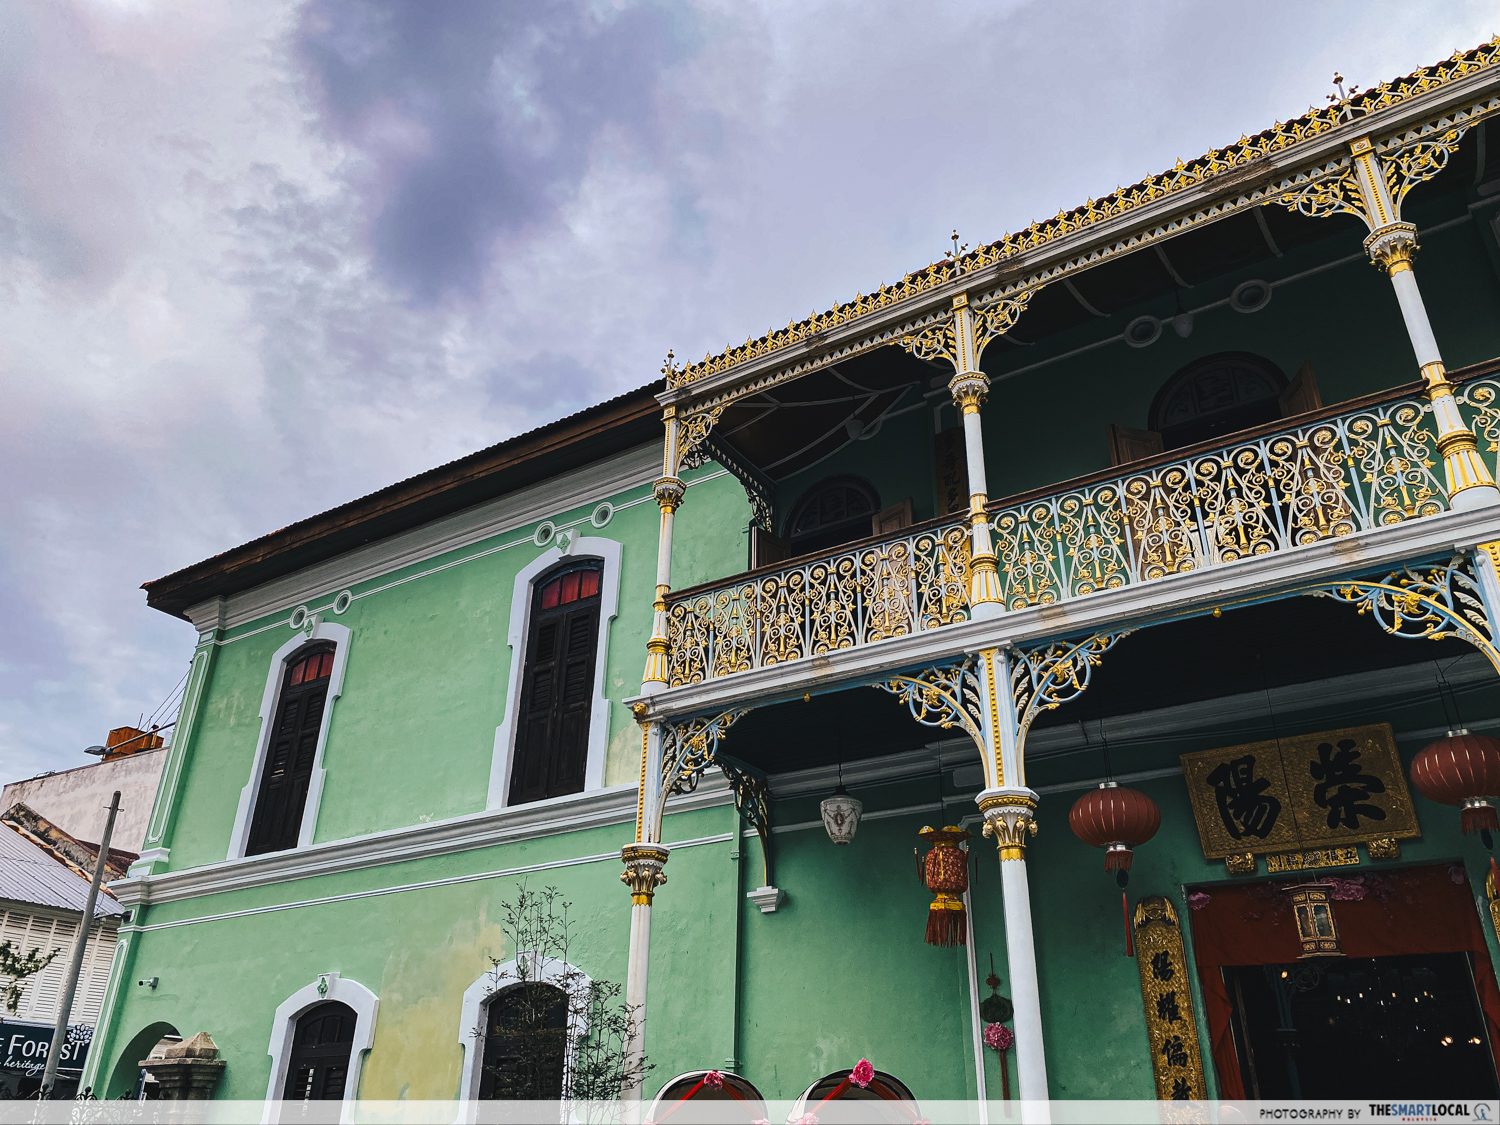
1171, 1026
1312, 795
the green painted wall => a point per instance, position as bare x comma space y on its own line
840, 971
427, 675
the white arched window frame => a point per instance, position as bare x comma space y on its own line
239, 838
579, 547
473, 1019
328, 986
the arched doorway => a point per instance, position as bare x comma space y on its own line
127, 1079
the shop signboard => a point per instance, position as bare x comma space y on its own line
24, 1047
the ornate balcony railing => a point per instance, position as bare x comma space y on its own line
1360, 465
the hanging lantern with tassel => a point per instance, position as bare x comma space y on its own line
1462, 769
1116, 819
945, 871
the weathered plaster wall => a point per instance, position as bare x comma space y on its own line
75, 799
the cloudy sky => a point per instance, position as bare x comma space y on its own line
258, 258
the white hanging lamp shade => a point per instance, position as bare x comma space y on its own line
841, 814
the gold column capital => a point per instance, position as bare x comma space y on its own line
643, 870
969, 390
1391, 247
1010, 818
668, 492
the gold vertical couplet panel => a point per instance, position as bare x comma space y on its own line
1171, 1026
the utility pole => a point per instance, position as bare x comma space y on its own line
70, 985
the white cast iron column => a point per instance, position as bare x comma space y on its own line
643, 873
969, 386
669, 490
1009, 810
1391, 245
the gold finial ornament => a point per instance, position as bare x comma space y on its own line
643, 870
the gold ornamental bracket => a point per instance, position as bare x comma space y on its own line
1434, 603
1171, 1024
1043, 679
1301, 800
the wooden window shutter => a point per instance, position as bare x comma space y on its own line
766, 548
1127, 445
1301, 394
557, 688
890, 520
287, 771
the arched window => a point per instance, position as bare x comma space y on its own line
319, 1069
525, 1043
832, 512
558, 688
292, 751
1215, 395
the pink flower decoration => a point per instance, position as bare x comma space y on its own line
760, 1121
1197, 900
922, 1121
808, 1119
714, 1080
862, 1074
999, 1037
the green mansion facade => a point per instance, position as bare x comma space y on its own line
1188, 492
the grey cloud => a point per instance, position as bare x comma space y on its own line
506, 101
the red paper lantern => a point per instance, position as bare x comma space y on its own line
1462, 769
1115, 819
946, 873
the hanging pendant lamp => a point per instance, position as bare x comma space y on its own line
841, 812
1462, 769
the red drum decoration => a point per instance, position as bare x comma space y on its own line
1115, 819
946, 873
1462, 769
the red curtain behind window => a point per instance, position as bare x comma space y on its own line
1415, 910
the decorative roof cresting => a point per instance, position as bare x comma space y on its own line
1181, 176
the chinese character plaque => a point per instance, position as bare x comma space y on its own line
1170, 1024
1306, 793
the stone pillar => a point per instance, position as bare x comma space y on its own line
188, 1071
969, 387
1391, 245
1009, 810
669, 490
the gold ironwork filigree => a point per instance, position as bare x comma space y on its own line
945, 696
1373, 467
902, 585
1435, 604
1045, 678
689, 747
